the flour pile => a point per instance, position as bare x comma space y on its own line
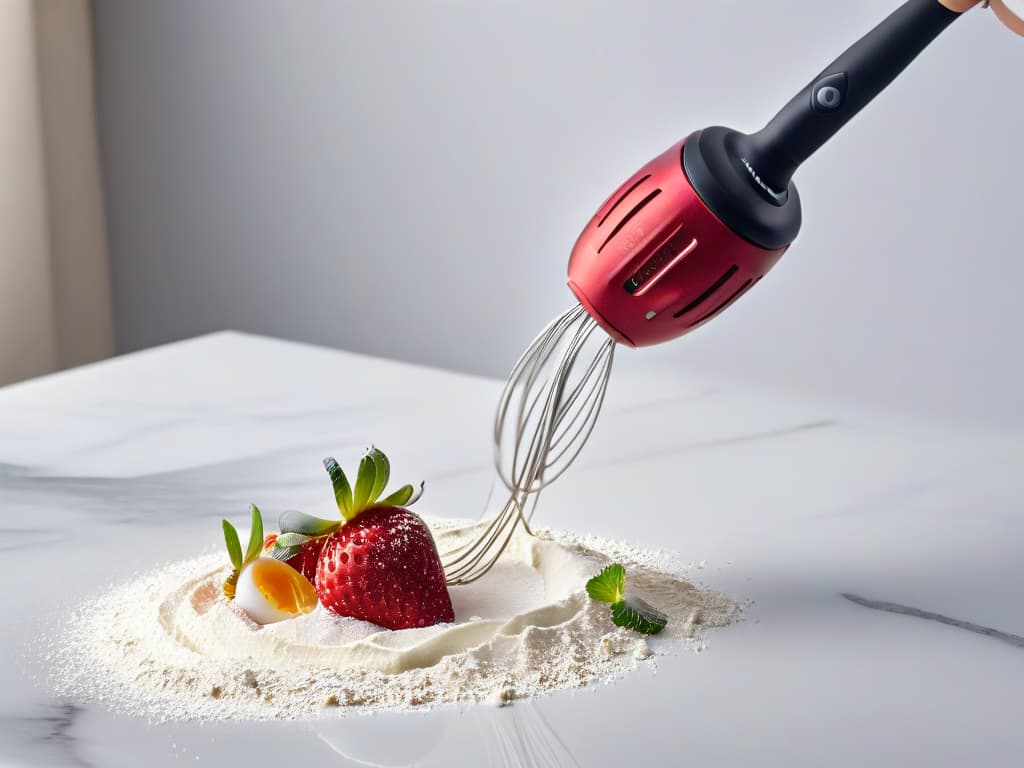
167, 645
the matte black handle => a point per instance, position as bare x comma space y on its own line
841, 90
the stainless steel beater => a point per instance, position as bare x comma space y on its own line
546, 412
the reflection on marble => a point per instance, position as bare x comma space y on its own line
109, 469
515, 736
523, 738
385, 739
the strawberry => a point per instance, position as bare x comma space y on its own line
382, 566
381, 563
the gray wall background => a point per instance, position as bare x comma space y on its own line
407, 178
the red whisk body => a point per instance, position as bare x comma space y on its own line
654, 262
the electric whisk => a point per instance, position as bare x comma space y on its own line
674, 246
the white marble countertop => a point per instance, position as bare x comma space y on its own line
884, 560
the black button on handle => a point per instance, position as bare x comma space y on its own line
829, 92
828, 97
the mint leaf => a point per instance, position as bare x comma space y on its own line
636, 614
294, 521
609, 585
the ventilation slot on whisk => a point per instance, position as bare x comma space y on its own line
735, 295
622, 197
707, 294
625, 219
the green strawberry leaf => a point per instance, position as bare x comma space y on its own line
294, 521
284, 553
342, 489
255, 535
291, 540
416, 496
383, 473
234, 547
400, 498
288, 545
609, 585
365, 479
637, 614
371, 479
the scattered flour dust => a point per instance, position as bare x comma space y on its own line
167, 645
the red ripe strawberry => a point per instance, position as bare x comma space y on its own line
382, 566
306, 558
381, 563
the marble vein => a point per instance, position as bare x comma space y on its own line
906, 610
671, 450
660, 404
12, 539
50, 731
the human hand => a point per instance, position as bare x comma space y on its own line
1010, 12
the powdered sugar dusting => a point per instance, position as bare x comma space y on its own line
168, 646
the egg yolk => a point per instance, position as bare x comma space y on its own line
282, 586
